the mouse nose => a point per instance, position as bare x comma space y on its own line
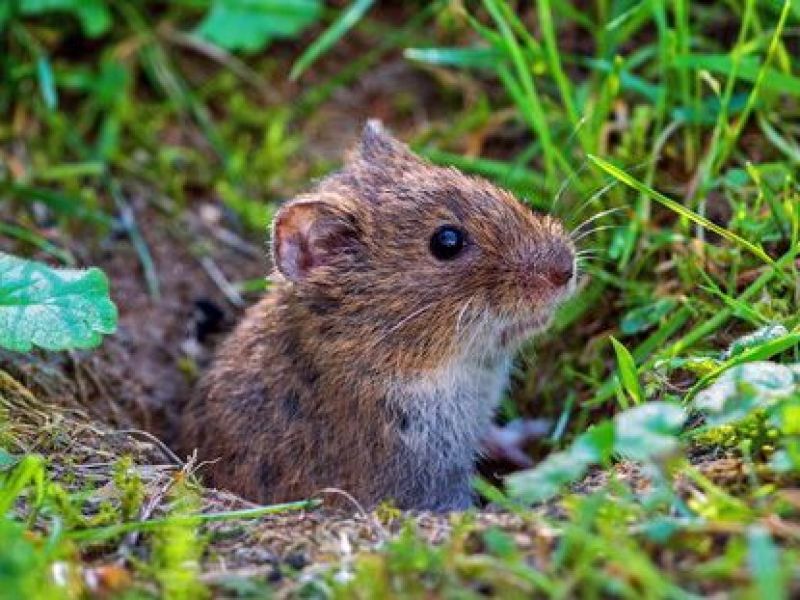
560, 275
558, 266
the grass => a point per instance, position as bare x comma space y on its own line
673, 124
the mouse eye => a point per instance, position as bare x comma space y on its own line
447, 242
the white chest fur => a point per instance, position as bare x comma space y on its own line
448, 411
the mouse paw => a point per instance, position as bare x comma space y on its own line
506, 444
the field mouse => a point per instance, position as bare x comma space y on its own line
374, 364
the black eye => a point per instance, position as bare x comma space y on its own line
447, 242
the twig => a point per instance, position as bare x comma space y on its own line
369, 518
127, 219
161, 445
218, 277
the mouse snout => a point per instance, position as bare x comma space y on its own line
553, 264
560, 275
560, 268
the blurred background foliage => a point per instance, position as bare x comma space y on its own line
664, 132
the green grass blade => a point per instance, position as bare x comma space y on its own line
556, 70
682, 43
42, 243
711, 161
346, 21
469, 58
736, 131
748, 69
47, 82
98, 534
530, 101
626, 367
29, 472
505, 174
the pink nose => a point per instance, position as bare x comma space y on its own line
556, 264
560, 275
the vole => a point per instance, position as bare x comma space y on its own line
375, 362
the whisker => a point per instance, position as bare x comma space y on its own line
566, 183
595, 196
462, 312
599, 215
594, 230
403, 321
600, 258
613, 183
479, 327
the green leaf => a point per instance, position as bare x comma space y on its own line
251, 24
55, 309
349, 17
596, 445
641, 433
499, 543
629, 376
648, 431
26, 568
747, 69
787, 415
744, 387
547, 478
761, 348
707, 112
560, 468
760, 337
93, 15
644, 317
765, 564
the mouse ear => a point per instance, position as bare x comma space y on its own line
307, 234
377, 145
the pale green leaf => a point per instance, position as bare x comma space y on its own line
648, 431
744, 387
93, 15
546, 479
55, 309
251, 24
764, 560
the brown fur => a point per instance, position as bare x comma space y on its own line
324, 383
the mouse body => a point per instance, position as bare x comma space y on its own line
374, 364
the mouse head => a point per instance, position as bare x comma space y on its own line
419, 264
